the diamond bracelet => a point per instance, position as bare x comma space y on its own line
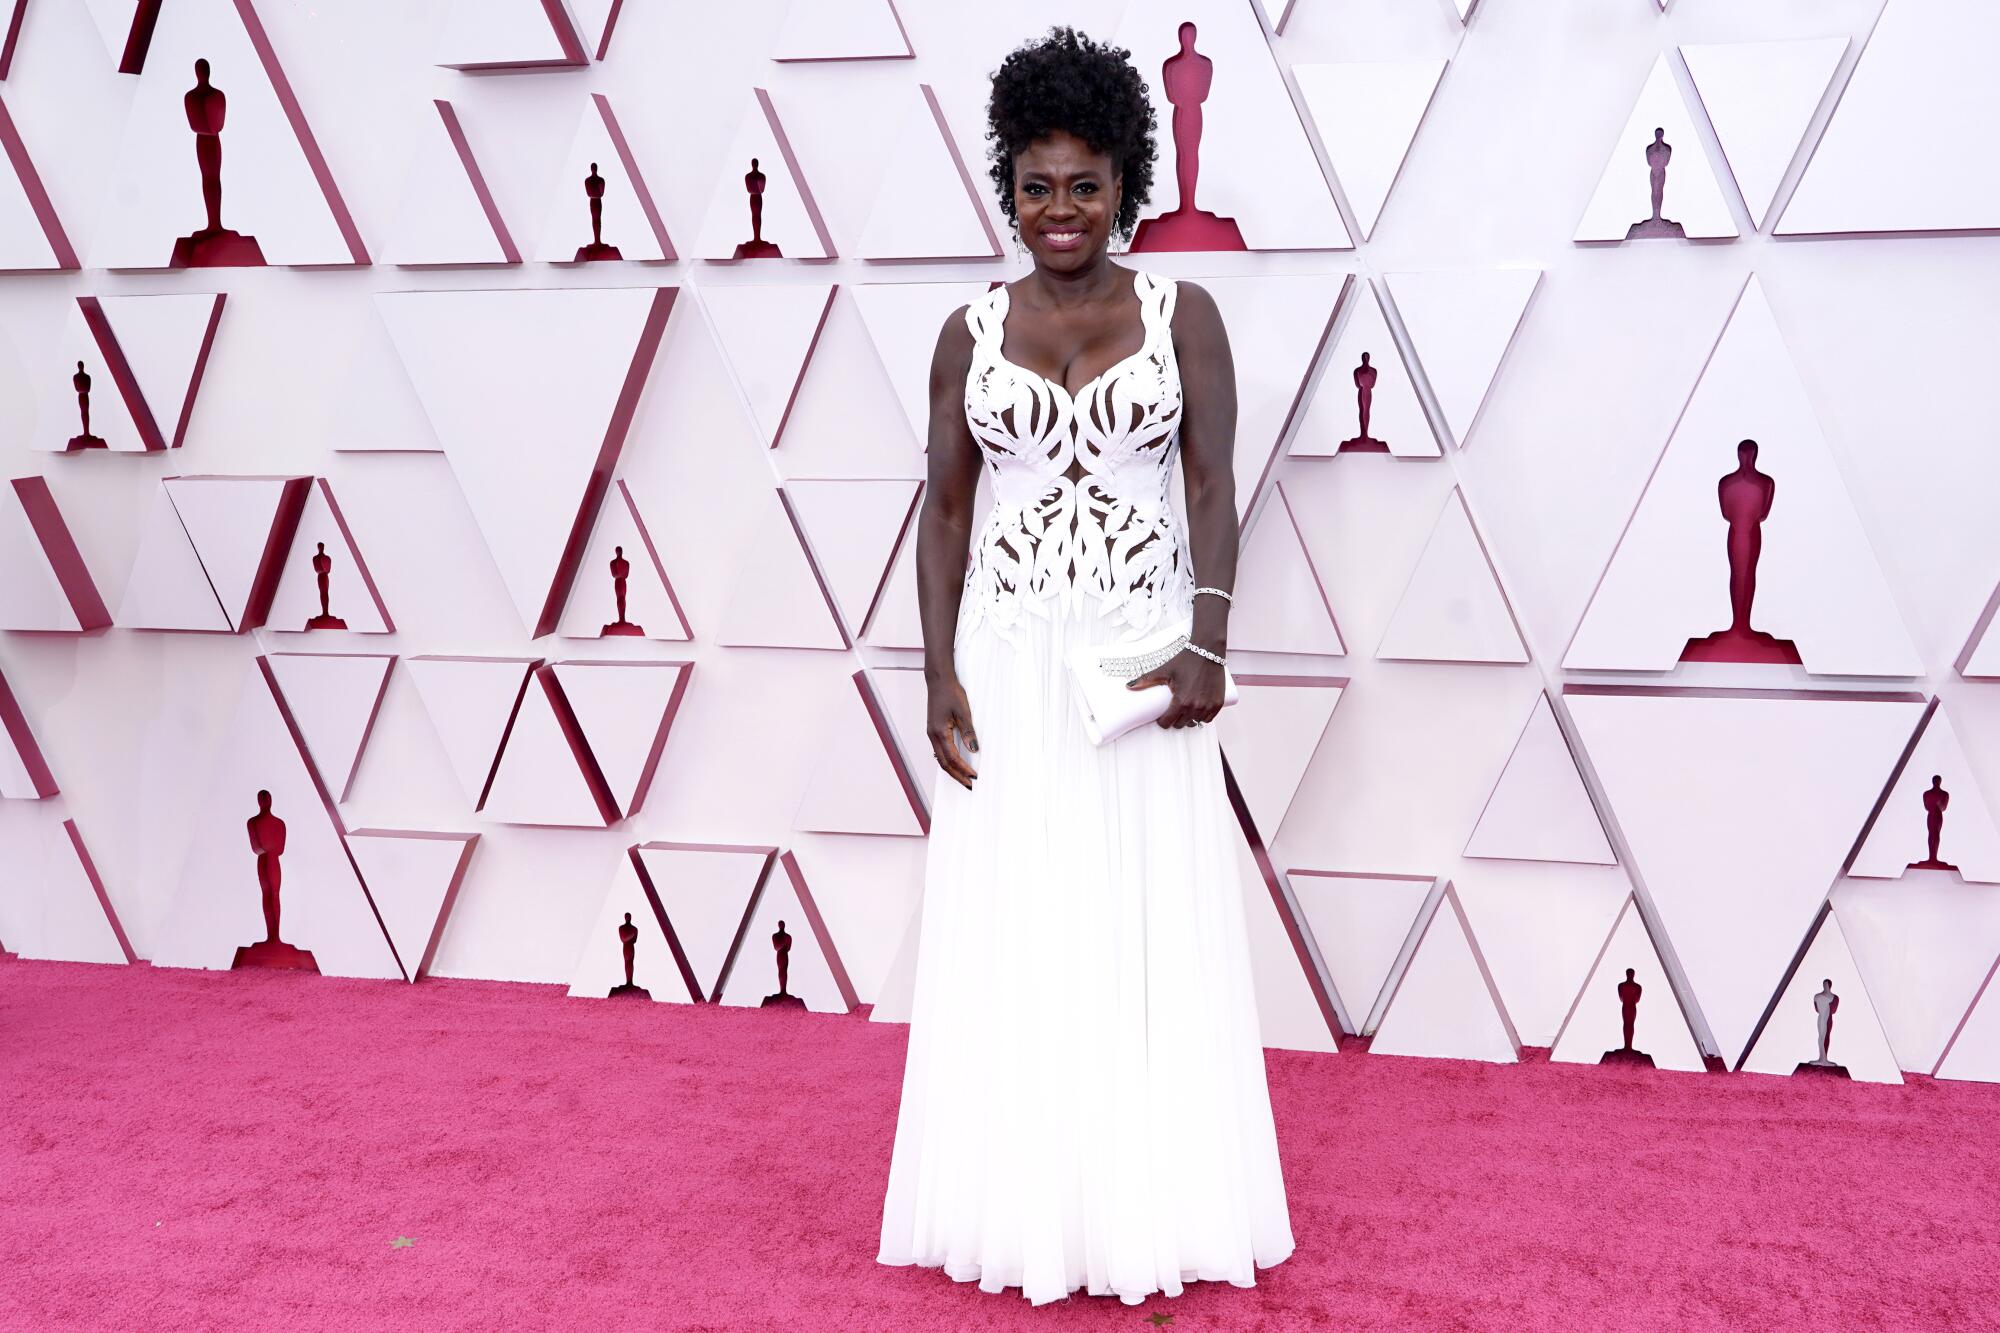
1217, 591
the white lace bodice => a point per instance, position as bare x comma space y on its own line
1111, 535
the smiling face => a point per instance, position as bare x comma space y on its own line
1066, 197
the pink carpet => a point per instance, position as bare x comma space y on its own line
199, 1150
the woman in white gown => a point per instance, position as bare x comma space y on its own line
1084, 1101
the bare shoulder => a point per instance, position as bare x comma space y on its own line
1197, 319
954, 342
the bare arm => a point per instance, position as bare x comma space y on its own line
944, 536
1208, 445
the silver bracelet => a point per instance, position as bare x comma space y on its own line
1217, 591
1200, 651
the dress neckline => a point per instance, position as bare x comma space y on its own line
1144, 286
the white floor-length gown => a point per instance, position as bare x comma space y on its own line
1084, 1101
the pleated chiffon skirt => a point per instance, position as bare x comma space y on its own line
1084, 1102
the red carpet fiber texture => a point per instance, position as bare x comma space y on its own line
266, 1150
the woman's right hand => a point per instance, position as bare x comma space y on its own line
951, 712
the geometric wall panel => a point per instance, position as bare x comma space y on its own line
1278, 328
1659, 153
842, 30
1914, 116
1980, 658
53, 904
472, 702
785, 922
599, 204
624, 711
767, 334
621, 589
1461, 324
499, 35
1974, 1050
547, 775
323, 548
853, 527
1295, 1012
1445, 1003
1923, 944
1595, 1026
1540, 926
631, 916
1791, 1035
705, 890
897, 622
531, 394
125, 372
323, 906
903, 319
414, 878
1359, 924
268, 198
930, 208
1284, 606
761, 206
1247, 159
241, 528
31, 236
333, 698
859, 784
166, 588
595, 21
47, 586
1813, 592
1365, 357
780, 599
1968, 842
1739, 808
24, 773
1539, 809
126, 28
1271, 739
210, 551
1760, 97
1367, 113
447, 214
898, 992
1453, 608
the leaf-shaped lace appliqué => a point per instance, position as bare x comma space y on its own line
1112, 535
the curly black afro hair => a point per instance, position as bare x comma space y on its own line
1067, 81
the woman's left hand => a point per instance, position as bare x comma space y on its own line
1197, 684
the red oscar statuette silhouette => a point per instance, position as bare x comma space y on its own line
1825, 1005
781, 943
756, 247
628, 939
323, 571
1629, 991
1187, 76
1658, 153
267, 840
1364, 396
1745, 496
1936, 798
593, 189
81, 382
214, 246
621, 570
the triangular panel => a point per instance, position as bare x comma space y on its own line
761, 206
1628, 972
334, 699
1760, 97
1367, 113
323, 547
1270, 736
1825, 995
624, 711
1739, 808
1461, 324
928, 207
1445, 1003
1453, 608
472, 702
1365, 360
786, 922
767, 334
414, 878
1539, 810
600, 170
1657, 152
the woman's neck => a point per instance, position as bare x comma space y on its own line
1079, 287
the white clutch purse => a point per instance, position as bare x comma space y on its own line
1099, 673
